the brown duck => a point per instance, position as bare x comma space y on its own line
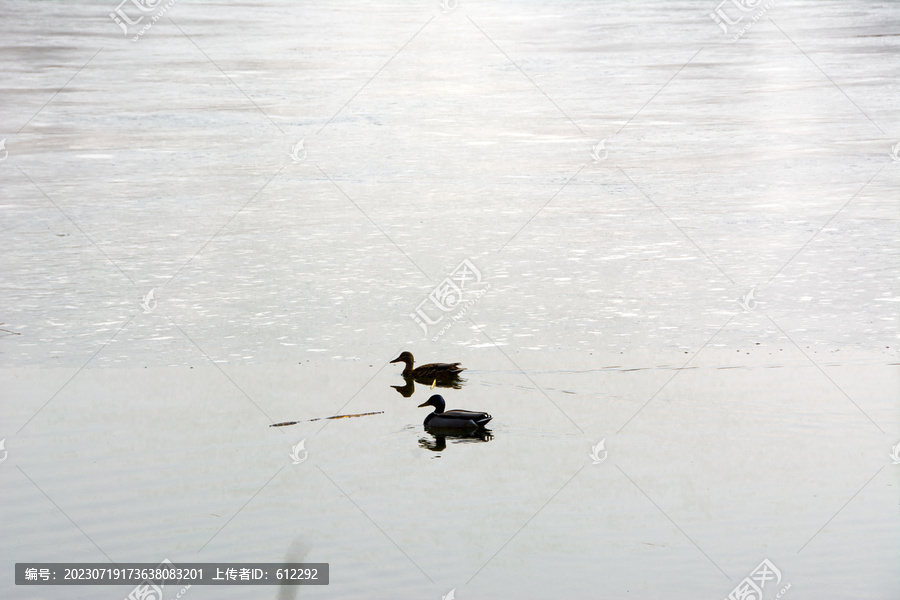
429, 372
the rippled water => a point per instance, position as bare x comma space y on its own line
711, 292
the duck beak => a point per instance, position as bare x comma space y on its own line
426, 403
396, 360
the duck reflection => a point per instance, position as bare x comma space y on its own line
436, 439
409, 384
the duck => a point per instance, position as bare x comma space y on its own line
429, 372
453, 419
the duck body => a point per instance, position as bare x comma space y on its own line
430, 372
455, 419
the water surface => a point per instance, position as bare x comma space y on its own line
711, 293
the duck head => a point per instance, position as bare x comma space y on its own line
437, 401
405, 357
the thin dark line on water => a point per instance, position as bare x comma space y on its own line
222, 371
224, 525
840, 89
75, 224
191, 40
374, 76
2, 231
65, 515
223, 226
389, 538
519, 530
673, 522
522, 371
658, 91
675, 374
816, 365
497, 46
568, 181
840, 509
826, 224
377, 226
676, 225
58, 91
76, 374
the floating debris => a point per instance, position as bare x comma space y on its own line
323, 418
8, 332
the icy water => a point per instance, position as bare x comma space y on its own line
666, 253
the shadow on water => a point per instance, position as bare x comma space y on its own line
436, 439
409, 387
296, 553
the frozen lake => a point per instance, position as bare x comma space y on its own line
632, 225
